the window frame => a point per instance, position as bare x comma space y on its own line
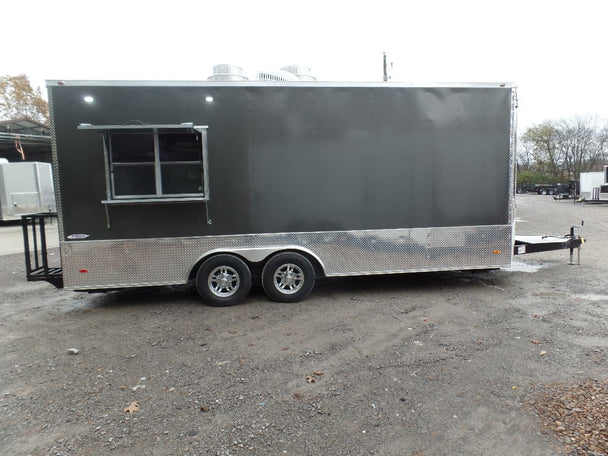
155, 130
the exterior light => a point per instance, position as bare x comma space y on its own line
209, 99
89, 99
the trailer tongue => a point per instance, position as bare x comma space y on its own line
534, 244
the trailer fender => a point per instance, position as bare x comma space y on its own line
257, 255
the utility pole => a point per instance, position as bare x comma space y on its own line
384, 69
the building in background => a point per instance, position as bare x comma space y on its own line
25, 140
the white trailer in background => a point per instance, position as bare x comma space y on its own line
25, 188
593, 185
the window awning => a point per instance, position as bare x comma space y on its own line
180, 126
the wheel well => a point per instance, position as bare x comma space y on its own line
319, 272
256, 267
197, 265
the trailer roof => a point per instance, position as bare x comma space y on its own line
141, 83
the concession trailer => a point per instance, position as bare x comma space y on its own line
229, 184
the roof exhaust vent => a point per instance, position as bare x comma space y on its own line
227, 72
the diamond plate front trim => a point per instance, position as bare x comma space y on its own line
166, 261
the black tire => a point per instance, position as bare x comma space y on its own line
542, 191
223, 280
288, 277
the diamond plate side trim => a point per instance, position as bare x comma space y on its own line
145, 262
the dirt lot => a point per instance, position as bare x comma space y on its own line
425, 364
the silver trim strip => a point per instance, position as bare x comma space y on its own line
182, 126
93, 83
165, 261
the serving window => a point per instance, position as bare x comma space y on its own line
154, 162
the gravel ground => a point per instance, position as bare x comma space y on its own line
577, 413
423, 364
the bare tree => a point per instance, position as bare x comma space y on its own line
565, 148
602, 138
525, 158
581, 144
19, 99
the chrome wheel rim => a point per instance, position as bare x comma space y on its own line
223, 281
289, 278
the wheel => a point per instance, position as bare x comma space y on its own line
223, 280
288, 277
542, 191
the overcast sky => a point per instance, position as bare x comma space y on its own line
554, 50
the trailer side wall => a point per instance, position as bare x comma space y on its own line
290, 159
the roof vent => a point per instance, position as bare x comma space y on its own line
227, 72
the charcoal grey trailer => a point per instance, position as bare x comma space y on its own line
229, 184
